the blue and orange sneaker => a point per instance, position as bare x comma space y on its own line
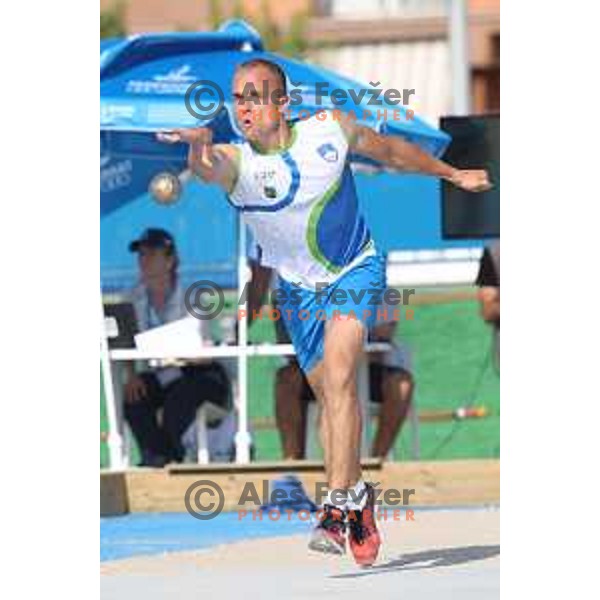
329, 536
363, 537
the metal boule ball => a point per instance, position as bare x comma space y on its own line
165, 188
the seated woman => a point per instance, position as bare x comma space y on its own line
176, 391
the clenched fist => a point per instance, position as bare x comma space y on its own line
476, 180
199, 139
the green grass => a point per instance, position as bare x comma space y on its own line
450, 346
103, 424
451, 352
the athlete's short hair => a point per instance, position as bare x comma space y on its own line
267, 64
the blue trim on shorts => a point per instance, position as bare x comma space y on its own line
304, 312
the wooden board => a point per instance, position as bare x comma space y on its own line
289, 466
461, 482
113, 494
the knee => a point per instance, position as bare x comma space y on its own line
404, 384
407, 382
340, 381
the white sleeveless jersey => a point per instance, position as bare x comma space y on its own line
301, 206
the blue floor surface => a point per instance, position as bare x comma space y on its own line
155, 533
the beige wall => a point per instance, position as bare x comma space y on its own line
394, 50
169, 15
490, 6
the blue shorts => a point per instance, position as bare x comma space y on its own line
357, 293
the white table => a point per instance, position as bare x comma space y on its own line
119, 456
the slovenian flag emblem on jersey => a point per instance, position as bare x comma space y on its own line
328, 152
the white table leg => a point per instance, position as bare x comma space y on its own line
202, 433
242, 437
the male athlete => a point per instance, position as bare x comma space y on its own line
294, 186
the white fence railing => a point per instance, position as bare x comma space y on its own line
379, 9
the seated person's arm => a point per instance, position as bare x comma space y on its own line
135, 388
257, 290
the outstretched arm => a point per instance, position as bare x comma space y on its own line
399, 154
213, 164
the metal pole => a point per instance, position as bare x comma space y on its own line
242, 437
458, 36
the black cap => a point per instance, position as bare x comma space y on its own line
154, 238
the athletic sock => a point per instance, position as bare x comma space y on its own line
357, 496
338, 502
